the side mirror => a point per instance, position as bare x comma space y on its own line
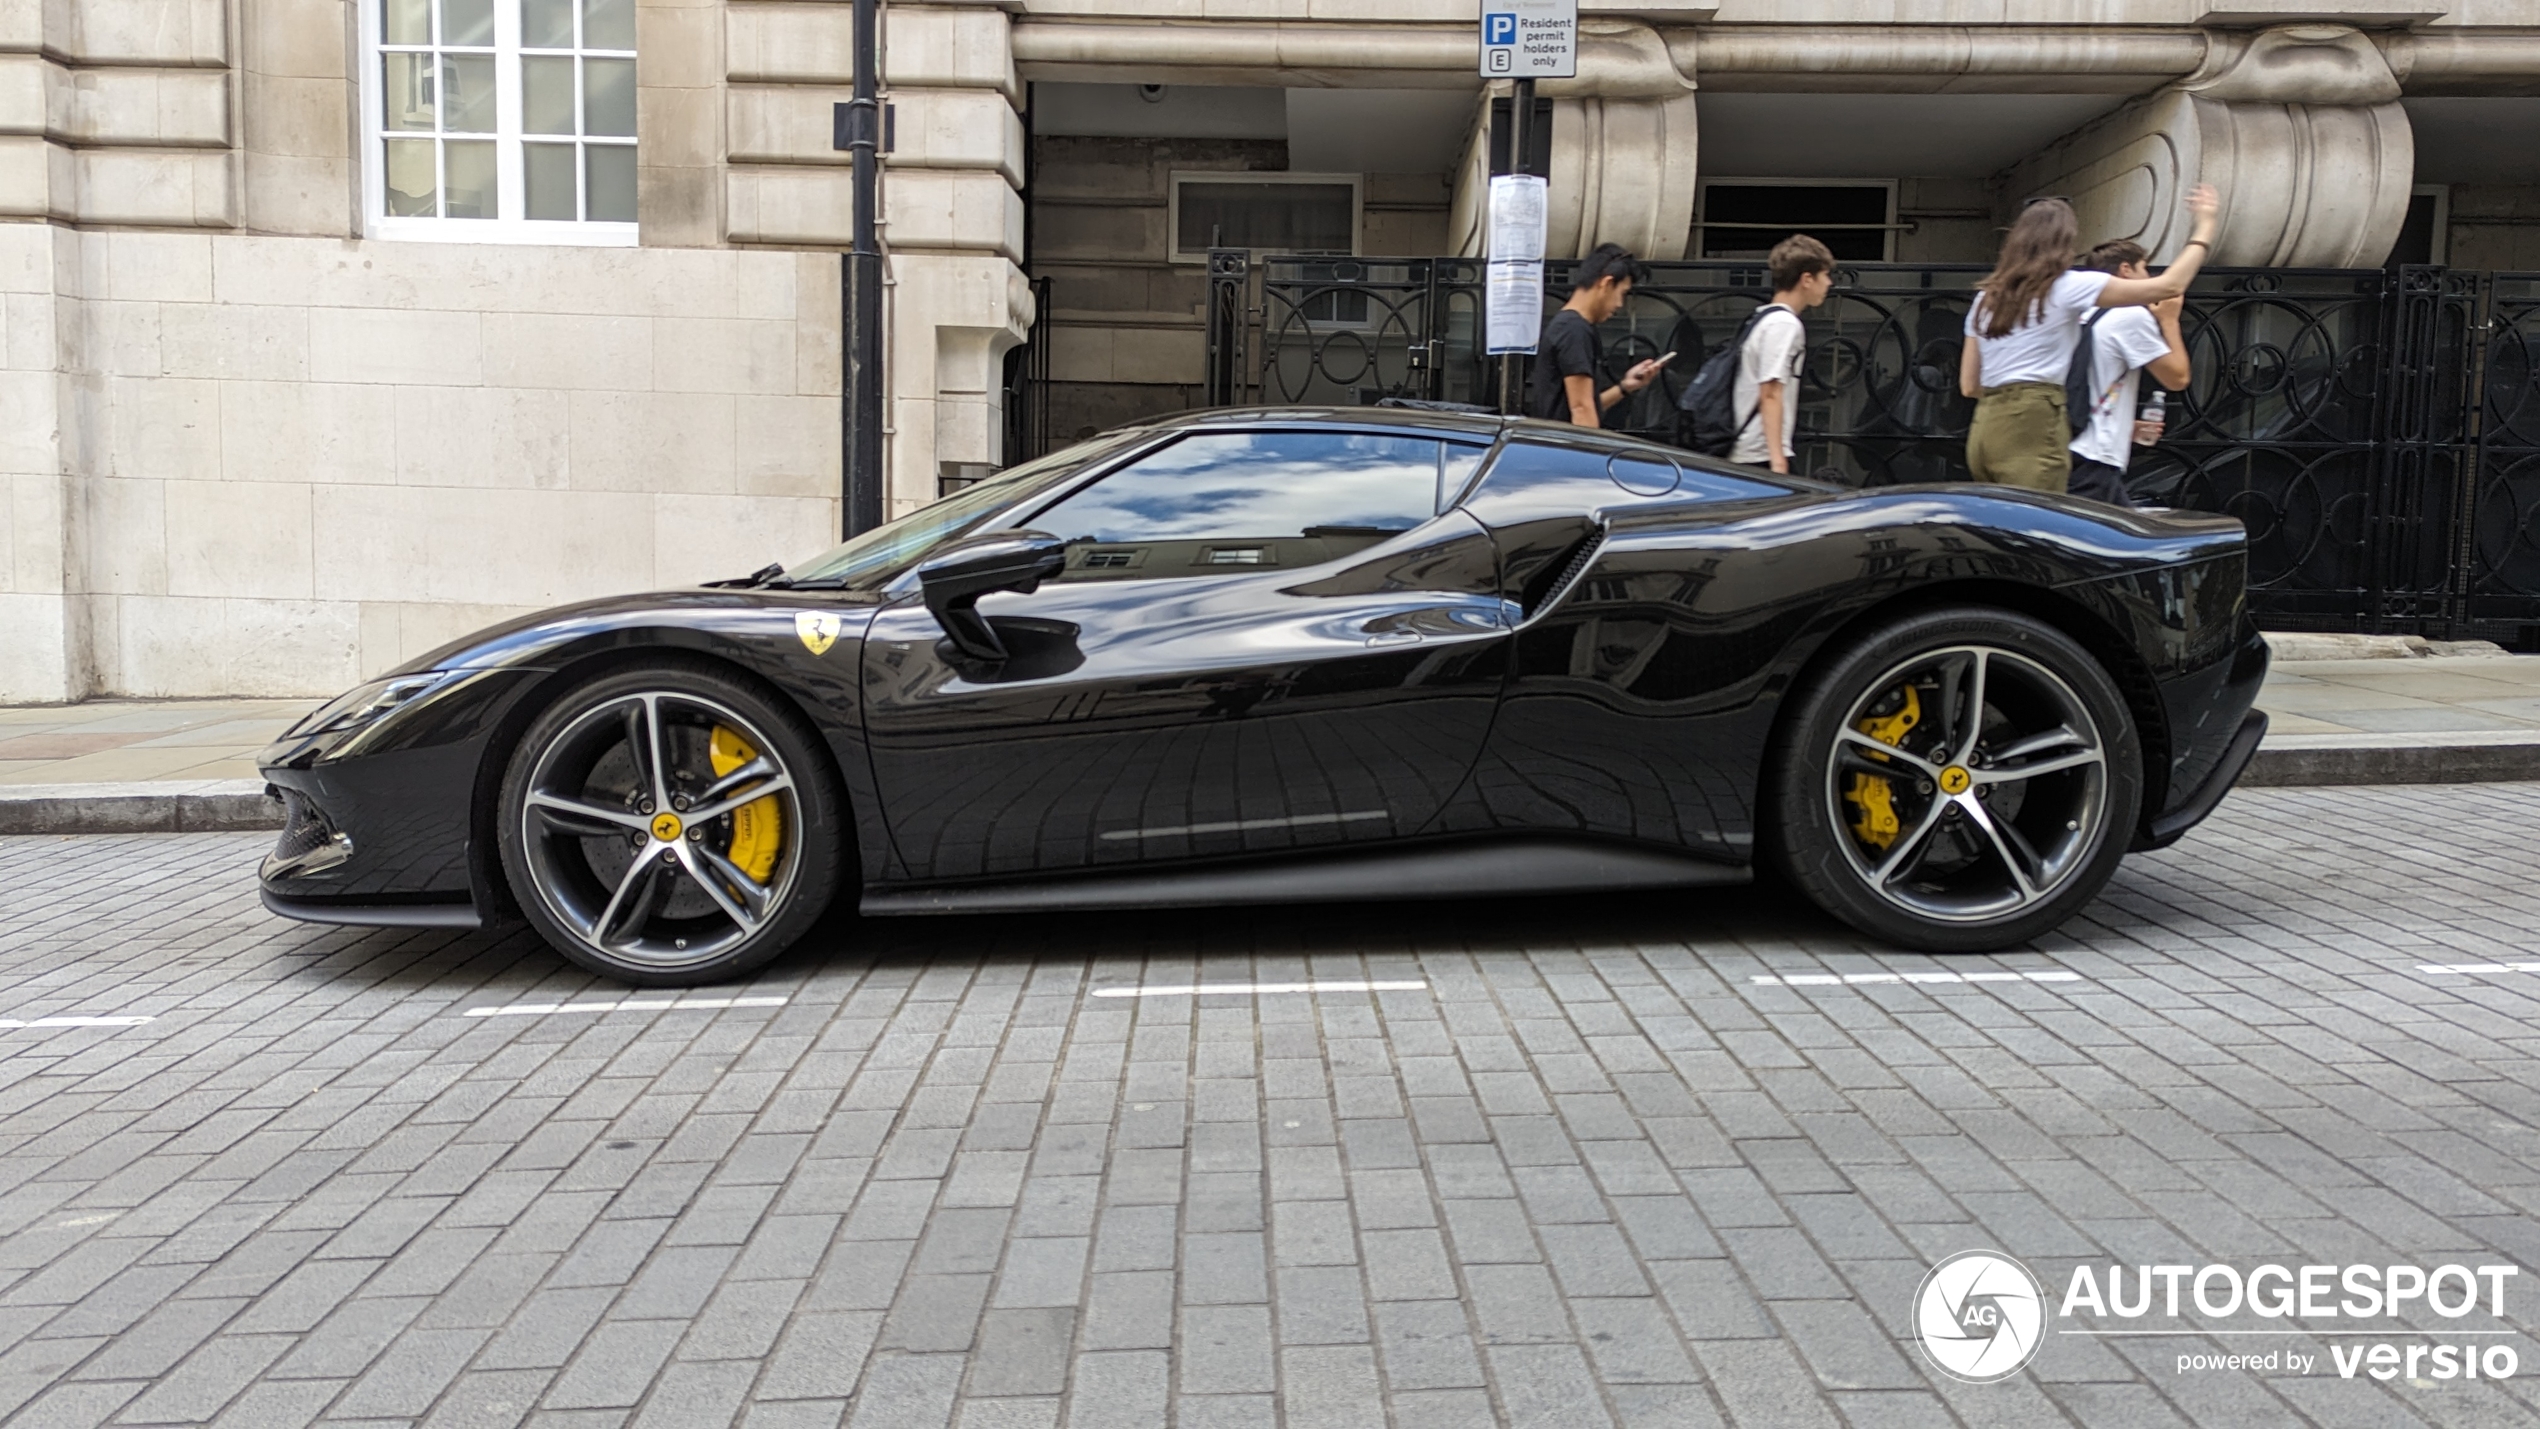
955, 578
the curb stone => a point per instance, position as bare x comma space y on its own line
2482, 757
164, 807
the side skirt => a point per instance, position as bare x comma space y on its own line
1495, 868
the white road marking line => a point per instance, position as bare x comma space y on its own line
1857, 979
2479, 968
75, 1022
1206, 989
1233, 826
542, 1009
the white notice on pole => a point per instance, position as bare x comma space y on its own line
1513, 299
1513, 286
1516, 217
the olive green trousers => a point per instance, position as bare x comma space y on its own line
2020, 437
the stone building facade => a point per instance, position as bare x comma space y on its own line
331, 329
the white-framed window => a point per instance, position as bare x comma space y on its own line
1267, 213
1744, 218
509, 121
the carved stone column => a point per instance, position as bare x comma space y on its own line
1623, 155
2301, 129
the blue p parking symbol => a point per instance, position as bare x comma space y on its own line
1499, 27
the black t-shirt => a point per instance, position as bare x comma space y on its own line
1569, 349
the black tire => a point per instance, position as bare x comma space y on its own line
2019, 822
718, 888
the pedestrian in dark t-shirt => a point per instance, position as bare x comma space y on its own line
1569, 361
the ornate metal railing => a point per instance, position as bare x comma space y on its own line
2341, 414
1027, 384
2501, 563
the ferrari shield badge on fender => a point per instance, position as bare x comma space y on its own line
818, 628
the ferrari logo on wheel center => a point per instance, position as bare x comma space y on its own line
666, 827
1955, 779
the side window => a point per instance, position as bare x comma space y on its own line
1218, 502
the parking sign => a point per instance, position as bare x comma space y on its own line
1530, 39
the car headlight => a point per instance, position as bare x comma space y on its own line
364, 704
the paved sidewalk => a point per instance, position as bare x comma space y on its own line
169, 765
2442, 696
131, 741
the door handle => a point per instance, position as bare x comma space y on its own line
1394, 637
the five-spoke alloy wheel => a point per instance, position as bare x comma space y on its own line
669, 826
1960, 781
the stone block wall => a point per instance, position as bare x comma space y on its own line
288, 463
2496, 226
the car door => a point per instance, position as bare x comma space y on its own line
1263, 640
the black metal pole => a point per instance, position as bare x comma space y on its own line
1521, 122
861, 318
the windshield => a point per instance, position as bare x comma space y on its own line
882, 553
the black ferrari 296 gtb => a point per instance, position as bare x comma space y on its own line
1281, 655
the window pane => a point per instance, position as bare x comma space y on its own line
406, 91
467, 94
1243, 500
1273, 218
608, 24
546, 24
547, 176
546, 94
411, 188
608, 97
611, 177
471, 166
405, 22
467, 22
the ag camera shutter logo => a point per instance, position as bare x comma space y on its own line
1980, 1316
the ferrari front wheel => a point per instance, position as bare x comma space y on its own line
669, 826
1961, 781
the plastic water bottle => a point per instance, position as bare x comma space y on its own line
2156, 415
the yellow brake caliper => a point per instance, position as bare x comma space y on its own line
758, 827
1877, 825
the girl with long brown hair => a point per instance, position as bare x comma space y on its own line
2022, 328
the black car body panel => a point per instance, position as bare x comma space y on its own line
1594, 643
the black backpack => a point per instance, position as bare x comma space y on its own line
2081, 377
1707, 423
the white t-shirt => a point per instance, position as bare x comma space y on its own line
1775, 350
2040, 349
2123, 340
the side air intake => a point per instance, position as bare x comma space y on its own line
1568, 575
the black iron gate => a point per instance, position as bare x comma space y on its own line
2501, 525
2382, 447
1027, 382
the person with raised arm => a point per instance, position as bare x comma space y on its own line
2022, 330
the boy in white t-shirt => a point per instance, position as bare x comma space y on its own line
1776, 350
2124, 344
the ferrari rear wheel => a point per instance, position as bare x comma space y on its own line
669, 826
1961, 781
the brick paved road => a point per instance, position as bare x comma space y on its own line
1594, 1173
